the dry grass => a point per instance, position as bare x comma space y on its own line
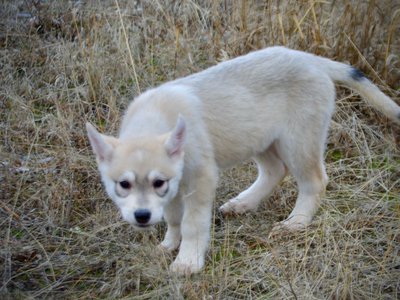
65, 62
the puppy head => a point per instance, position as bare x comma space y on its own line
140, 175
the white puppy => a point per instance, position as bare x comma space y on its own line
273, 105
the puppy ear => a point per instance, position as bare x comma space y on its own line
102, 145
176, 140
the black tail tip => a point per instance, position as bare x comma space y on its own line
356, 74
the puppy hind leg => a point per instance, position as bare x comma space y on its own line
309, 172
311, 189
271, 171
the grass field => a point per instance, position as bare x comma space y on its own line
63, 63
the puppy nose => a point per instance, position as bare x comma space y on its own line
142, 215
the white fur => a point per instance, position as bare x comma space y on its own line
273, 105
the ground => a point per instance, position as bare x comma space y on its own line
63, 63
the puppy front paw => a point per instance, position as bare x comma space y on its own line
169, 245
172, 239
186, 268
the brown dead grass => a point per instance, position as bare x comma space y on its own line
65, 62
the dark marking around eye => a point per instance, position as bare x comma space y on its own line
161, 187
165, 192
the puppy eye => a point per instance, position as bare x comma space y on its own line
160, 187
125, 184
158, 183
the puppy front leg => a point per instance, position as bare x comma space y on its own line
196, 226
173, 216
195, 229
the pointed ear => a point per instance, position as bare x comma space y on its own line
102, 145
176, 140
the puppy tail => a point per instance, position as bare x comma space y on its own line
356, 80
